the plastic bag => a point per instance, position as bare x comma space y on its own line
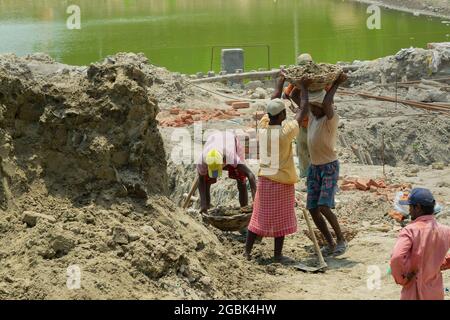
404, 209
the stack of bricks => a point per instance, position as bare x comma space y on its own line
376, 186
185, 117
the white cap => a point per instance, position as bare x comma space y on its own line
275, 106
305, 57
316, 97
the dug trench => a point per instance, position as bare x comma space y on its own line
88, 181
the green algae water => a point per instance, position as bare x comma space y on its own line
188, 35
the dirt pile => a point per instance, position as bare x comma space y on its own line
396, 141
83, 178
88, 130
123, 250
407, 64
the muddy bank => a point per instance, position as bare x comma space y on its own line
436, 8
407, 64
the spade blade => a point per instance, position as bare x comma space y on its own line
305, 268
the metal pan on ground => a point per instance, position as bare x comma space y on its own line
229, 218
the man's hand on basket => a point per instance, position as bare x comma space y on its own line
342, 78
283, 74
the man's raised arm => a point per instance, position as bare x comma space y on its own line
303, 111
328, 101
279, 87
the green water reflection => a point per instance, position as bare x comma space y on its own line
180, 34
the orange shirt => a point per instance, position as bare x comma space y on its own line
287, 92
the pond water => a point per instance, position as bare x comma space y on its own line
188, 35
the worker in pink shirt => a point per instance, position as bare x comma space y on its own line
421, 251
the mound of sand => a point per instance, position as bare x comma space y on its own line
83, 179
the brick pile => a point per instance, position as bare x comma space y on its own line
177, 117
377, 186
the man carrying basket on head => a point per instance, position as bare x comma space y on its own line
323, 173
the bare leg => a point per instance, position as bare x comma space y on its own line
320, 223
203, 191
278, 248
243, 194
208, 195
251, 237
332, 219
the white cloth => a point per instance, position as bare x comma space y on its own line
316, 96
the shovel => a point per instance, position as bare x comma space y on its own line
191, 192
322, 264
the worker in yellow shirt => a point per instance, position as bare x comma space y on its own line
274, 204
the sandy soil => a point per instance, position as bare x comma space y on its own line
348, 276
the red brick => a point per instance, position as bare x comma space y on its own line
348, 187
240, 105
397, 216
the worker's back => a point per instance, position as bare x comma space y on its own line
277, 159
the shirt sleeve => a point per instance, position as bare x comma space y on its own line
264, 122
446, 263
202, 169
333, 122
240, 153
400, 257
291, 129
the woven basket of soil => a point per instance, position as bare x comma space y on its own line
321, 74
229, 218
349, 234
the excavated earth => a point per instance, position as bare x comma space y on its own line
84, 187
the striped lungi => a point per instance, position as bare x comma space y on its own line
273, 209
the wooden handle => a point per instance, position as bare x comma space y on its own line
313, 236
191, 192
